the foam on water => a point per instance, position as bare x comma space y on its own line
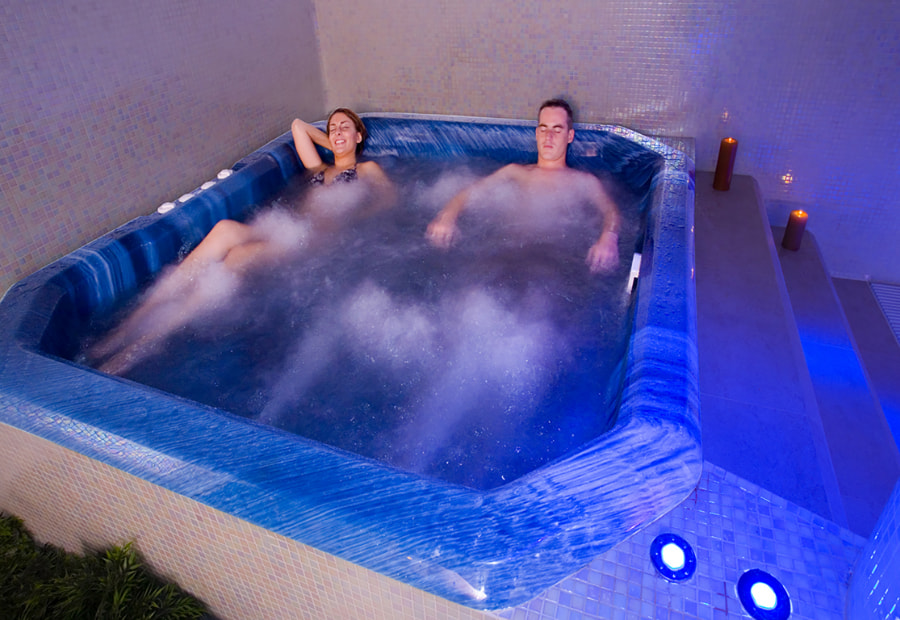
473, 364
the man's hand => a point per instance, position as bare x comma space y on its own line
603, 256
442, 230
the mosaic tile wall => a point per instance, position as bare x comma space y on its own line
245, 572
242, 572
875, 588
109, 109
808, 87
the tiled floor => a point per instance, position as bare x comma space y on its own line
733, 526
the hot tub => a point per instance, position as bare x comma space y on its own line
487, 549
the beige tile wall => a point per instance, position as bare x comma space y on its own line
241, 571
108, 109
808, 87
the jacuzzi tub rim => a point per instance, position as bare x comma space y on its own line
225, 487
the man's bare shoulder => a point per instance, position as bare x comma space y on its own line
586, 181
583, 175
512, 171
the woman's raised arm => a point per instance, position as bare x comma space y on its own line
306, 137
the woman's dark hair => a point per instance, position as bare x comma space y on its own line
356, 121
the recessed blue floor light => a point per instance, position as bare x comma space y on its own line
673, 557
763, 596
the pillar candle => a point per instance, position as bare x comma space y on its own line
725, 165
793, 234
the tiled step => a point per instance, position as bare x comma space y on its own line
759, 414
864, 455
888, 297
875, 325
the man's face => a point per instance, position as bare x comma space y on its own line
553, 134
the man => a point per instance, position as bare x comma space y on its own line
550, 175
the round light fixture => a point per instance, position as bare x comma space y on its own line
673, 557
763, 596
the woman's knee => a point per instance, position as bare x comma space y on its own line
223, 237
231, 231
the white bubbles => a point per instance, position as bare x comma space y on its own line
498, 344
215, 286
551, 211
435, 196
334, 202
361, 335
471, 358
284, 230
387, 330
311, 356
488, 354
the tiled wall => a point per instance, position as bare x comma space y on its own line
808, 87
244, 572
239, 570
875, 585
108, 109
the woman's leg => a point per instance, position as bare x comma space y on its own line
221, 240
193, 286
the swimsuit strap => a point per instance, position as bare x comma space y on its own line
344, 176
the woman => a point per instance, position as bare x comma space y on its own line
240, 246
346, 138
232, 248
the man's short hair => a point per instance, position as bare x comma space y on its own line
559, 103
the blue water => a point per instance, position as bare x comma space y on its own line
473, 365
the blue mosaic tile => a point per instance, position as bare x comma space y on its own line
818, 588
875, 586
490, 549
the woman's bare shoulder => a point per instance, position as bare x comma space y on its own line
372, 171
369, 167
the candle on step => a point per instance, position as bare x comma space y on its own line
793, 234
725, 165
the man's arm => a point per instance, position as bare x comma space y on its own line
604, 254
442, 230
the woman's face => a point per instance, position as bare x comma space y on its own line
342, 134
